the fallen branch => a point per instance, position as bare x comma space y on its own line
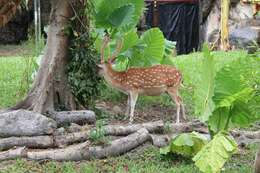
82, 151
30, 142
122, 130
247, 134
188, 127
77, 117
13, 154
77, 137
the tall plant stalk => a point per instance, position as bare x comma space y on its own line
224, 24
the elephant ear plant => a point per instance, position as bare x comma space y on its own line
225, 98
118, 20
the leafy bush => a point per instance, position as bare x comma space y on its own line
82, 72
97, 135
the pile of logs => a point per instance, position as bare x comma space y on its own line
64, 136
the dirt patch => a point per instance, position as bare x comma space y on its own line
115, 113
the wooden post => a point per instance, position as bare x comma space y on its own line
224, 24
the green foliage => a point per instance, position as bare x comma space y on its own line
82, 74
97, 135
118, 19
205, 86
118, 14
186, 144
214, 155
234, 99
82, 70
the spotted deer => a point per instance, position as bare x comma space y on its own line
149, 81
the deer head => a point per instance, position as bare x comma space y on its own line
104, 65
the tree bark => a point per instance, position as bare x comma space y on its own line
50, 90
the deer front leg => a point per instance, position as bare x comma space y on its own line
133, 99
174, 95
183, 111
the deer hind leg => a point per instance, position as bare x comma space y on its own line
173, 92
133, 99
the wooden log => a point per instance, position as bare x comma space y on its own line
164, 140
122, 130
62, 140
77, 117
112, 130
188, 127
30, 142
13, 154
25, 123
247, 134
84, 152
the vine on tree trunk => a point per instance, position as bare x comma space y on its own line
82, 71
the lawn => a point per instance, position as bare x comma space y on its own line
138, 161
11, 76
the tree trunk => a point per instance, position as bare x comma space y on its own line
50, 90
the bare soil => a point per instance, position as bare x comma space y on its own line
148, 113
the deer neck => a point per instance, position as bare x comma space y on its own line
113, 77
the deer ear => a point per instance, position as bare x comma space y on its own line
100, 65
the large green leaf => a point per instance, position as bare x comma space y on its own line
122, 16
204, 90
106, 8
214, 155
154, 51
232, 97
186, 144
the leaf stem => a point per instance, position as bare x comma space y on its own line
228, 120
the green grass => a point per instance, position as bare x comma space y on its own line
141, 161
11, 74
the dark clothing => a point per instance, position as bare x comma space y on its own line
179, 22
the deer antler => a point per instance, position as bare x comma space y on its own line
105, 43
119, 45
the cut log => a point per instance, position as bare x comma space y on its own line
188, 127
122, 130
71, 138
77, 117
25, 123
13, 154
30, 142
84, 152
247, 134
62, 140
112, 130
